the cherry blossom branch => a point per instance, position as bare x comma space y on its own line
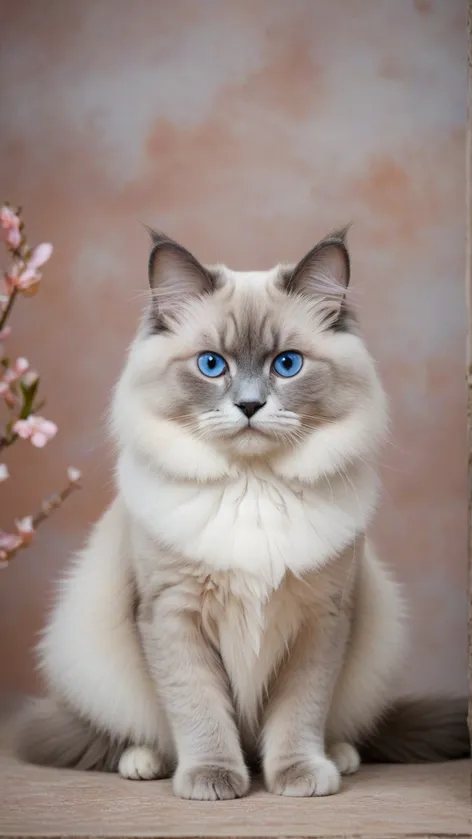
11, 543
18, 382
7, 441
8, 308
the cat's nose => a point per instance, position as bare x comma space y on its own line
250, 408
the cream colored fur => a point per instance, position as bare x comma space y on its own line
229, 599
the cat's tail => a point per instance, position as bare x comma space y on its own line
420, 731
49, 734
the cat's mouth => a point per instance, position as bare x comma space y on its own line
251, 429
251, 441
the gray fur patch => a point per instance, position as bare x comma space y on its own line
201, 393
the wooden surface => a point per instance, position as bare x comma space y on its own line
380, 802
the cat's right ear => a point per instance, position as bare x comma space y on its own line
175, 277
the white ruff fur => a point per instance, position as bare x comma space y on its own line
248, 543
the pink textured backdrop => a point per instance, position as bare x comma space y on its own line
246, 129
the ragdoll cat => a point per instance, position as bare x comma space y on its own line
229, 610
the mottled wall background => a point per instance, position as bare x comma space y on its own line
246, 129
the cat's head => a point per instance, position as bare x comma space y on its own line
247, 364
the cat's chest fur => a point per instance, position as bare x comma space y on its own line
253, 523
238, 554
251, 625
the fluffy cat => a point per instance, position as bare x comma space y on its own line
228, 610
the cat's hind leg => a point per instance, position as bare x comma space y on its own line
141, 763
345, 756
102, 697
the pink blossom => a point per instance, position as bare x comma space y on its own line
8, 218
9, 542
18, 277
74, 475
18, 369
30, 378
36, 429
27, 277
7, 394
10, 224
24, 280
25, 529
30, 276
21, 365
4, 473
40, 255
13, 237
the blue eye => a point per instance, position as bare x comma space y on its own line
211, 364
288, 364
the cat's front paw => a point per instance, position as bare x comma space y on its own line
211, 783
305, 778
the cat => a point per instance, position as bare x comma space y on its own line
229, 611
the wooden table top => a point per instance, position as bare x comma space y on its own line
380, 802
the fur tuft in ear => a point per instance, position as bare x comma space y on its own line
323, 274
326, 268
175, 277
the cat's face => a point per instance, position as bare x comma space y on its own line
250, 362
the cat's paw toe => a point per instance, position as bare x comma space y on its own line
306, 778
346, 758
211, 783
139, 763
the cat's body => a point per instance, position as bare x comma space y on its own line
228, 608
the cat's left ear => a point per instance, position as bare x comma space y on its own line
175, 276
324, 272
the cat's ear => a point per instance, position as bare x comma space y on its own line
175, 277
324, 272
